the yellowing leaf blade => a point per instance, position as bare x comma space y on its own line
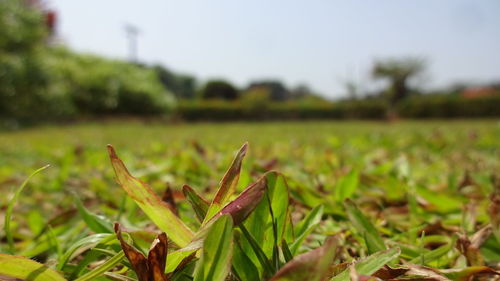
26, 269
150, 203
227, 185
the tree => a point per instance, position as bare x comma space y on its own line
277, 91
23, 80
398, 71
219, 89
183, 86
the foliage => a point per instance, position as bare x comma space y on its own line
255, 106
102, 86
218, 89
24, 82
419, 202
41, 82
275, 90
398, 72
449, 106
182, 86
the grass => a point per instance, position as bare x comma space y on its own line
414, 195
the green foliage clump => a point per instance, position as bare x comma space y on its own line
449, 106
103, 86
218, 89
182, 86
41, 82
25, 83
256, 106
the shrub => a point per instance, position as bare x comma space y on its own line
102, 86
24, 81
218, 89
449, 106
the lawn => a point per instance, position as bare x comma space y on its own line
411, 195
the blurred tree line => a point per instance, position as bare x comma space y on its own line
40, 81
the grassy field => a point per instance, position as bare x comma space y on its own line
413, 194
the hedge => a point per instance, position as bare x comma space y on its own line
443, 106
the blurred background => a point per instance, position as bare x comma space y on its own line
64, 61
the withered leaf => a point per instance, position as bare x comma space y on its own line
168, 198
151, 268
313, 265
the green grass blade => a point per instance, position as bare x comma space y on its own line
82, 244
151, 203
244, 266
261, 256
101, 269
176, 258
227, 185
346, 186
215, 261
370, 264
98, 224
365, 228
200, 205
287, 254
10, 208
306, 227
436, 253
261, 224
25, 269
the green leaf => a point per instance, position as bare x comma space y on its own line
260, 223
10, 208
257, 250
369, 265
174, 259
244, 266
26, 269
365, 228
227, 185
150, 203
346, 186
200, 205
239, 209
311, 266
306, 227
287, 254
82, 245
215, 261
104, 267
436, 253
98, 224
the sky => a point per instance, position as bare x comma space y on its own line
321, 43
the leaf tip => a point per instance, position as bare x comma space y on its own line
111, 151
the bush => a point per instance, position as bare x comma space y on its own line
445, 106
182, 86
218, 89
294, 110
449, 106
39, 83
24, 81
102, 86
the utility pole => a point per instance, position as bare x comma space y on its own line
132, 31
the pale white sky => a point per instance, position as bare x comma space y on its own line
321, 43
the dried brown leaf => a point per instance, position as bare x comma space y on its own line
151, 268
168, 198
